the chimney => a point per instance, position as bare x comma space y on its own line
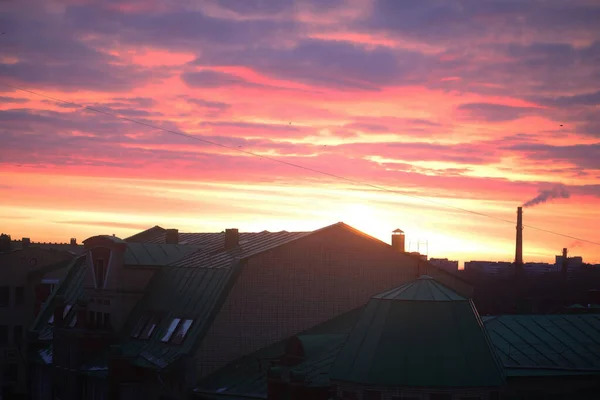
73, 242
59, 310
519, 243
172, 236
5, 242
398, 240
274, 384
25, 242
232, 239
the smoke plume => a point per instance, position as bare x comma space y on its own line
557, 192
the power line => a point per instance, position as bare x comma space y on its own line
352, 181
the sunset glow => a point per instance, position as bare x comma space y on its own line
474, 105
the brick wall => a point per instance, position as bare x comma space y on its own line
297, 286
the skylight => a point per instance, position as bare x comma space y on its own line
140, 325
182, 331
67, 309
150, 327
169, 333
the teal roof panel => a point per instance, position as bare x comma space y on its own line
425, 288
434, 340
177, 292
150, 254
553, 344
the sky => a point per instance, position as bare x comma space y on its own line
424, 108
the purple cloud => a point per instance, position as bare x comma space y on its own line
496, 112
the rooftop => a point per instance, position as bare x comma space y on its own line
435, 339
425, 288
546, 344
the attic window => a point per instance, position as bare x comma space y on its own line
100, 273
182, 330
66, 310
150, 327
140, 325
170, 331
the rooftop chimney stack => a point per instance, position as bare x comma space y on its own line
398, 240
25, 242
519, 244
5, 242
73, 242
232, 239
172, 236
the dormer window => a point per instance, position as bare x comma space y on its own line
99, 272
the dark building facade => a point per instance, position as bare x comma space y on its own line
421, 341
147, 316
28, 273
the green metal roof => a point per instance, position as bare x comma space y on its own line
247, 376
177, 292
152, 254
425, 288
547, 344
71, 288
421, 343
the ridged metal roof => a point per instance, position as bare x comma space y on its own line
419, 343
212, 254
247, 376
153, 254
424, 288
552, 344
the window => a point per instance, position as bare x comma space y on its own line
99, 272
150, 327
169, 333
92, 319
73, 321
3, 335
19, 296
182, 330
139, 326
11, 373
346, 395
4, 296
51, 319
66, 310
372, 395
18, 335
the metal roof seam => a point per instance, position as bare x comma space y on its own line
542, 342
567, 347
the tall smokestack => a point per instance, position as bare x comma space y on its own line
564, 273
519, 243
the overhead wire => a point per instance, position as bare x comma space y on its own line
274, 159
